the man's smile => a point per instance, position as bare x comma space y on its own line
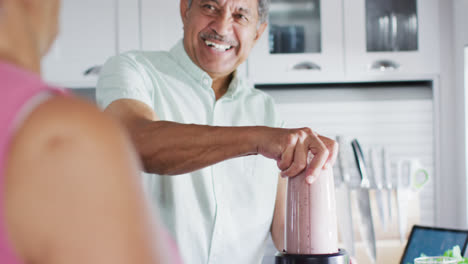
218, 47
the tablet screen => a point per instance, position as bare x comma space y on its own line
433, 242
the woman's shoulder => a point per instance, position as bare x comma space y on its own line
67, 116
64, 130
63, 157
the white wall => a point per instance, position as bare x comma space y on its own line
452, 187
446, 215
460, 9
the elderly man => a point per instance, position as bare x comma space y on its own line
191, 115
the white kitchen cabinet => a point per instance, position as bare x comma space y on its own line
359, 40
303, 42
161, 24
397, 37
128, 25
90, 33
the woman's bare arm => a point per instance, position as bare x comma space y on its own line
73, 191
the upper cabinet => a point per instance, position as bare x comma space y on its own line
161, 25
306, 41
90, 32
391, 37
347, 40
303, 41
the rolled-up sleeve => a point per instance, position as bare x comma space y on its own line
122, 78
272, 117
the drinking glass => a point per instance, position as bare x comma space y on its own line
435, 260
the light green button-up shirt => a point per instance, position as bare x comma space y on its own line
222, 213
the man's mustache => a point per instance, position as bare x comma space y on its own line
215, 36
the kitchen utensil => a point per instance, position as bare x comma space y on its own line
376, 175
410, 177
366, 225
388, 181
435, 260
343, 197
403, 193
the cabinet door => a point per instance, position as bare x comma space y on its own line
128, 25
391, 37
87, 38
303, 43
161, 24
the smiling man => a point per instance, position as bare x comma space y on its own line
190, 114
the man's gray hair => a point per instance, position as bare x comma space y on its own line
263, 8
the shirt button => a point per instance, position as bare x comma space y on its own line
206, 81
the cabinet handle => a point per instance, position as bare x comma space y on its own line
95, 70
384, 65
306, 65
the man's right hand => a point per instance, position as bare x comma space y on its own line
291, 147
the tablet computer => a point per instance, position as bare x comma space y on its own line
432, 241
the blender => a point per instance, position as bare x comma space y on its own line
311, 224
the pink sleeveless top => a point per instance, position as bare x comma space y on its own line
18, 89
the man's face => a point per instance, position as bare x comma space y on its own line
219, 34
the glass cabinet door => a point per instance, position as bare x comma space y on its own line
302, 43
391, 37
391, 26
295, 26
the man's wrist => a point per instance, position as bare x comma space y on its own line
252, 139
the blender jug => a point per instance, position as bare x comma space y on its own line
311, 225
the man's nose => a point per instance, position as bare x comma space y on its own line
223, 24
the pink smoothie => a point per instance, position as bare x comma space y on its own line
311, 226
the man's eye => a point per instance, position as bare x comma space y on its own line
209, 7
241, 17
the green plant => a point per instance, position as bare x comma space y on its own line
456, 253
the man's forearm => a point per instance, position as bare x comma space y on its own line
170, 148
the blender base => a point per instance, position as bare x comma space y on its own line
338, 258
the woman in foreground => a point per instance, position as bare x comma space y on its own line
69, 183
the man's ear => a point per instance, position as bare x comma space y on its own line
184, 9
260, 31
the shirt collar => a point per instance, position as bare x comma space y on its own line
200, 76
181, 56
235, 85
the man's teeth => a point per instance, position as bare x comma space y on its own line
217, 46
